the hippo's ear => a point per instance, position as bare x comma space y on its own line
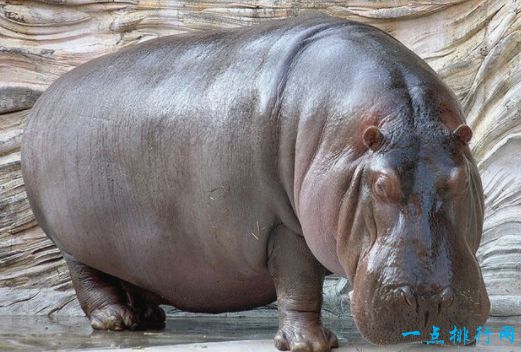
373, 138
463, 133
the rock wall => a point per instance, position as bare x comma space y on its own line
474, 45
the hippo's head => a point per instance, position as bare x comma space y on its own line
386, 190
400, 214
416, 235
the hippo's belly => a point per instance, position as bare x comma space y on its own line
197, 254
187, 278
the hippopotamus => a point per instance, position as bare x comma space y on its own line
222, 170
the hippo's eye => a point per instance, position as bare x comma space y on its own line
386, 187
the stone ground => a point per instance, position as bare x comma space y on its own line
196, 333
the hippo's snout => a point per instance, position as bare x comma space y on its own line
404, 313
396, 291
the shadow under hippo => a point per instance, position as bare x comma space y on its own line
220, 171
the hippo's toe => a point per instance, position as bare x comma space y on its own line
113, 317
306, 339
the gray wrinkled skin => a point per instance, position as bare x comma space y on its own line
220, 171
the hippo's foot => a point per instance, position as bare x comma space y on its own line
312, 338
113, 317
150, 316
110, 303
121, 317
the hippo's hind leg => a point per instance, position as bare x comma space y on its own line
109, 303
298, 279
101, 297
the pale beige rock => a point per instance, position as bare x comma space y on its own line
475, 45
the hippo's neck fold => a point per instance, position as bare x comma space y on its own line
328, 208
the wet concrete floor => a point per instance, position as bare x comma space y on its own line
244, 334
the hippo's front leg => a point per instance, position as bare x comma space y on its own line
298, 279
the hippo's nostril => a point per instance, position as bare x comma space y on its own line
408, 295
447, 297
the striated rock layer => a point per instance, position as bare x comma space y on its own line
475, 45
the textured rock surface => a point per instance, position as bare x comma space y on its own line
474, 45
